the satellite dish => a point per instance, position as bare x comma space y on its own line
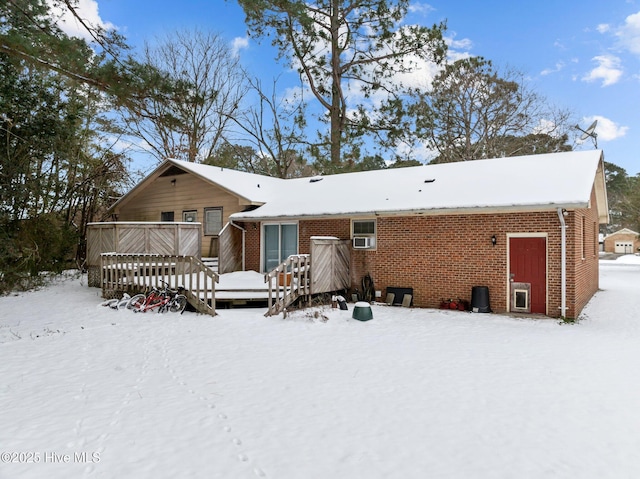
589, 132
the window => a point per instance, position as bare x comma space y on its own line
212, 221
363, 234
278, 242
584, 238
364, 227
190, 216
166, 216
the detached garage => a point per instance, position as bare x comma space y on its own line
625, 247
624, 241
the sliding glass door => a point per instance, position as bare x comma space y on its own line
279, 240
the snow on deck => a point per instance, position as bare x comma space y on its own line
242, 285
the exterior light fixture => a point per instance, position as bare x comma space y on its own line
173, 182
494, 240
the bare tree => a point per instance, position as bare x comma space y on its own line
273, 129
189, 121
474, 112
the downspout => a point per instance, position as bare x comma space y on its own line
563, 264
243, 240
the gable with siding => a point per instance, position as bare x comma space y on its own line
181, 188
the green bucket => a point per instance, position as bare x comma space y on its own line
362, 311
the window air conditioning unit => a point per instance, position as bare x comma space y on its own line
363, 242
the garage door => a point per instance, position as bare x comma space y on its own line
624, 247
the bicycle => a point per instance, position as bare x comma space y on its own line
164, 300
117, 303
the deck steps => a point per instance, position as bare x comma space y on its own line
211, 263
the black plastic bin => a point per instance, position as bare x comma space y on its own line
480, 299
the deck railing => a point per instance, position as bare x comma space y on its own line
139, 272
133, 237
287, 282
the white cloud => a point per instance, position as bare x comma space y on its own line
239, 43
603, 28
295, 94
421, 8
462, 44
608, 70
87, 10
629, 34
457, 49
557, 67
606, 129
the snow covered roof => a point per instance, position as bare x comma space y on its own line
525, 183
623, 231
251, 188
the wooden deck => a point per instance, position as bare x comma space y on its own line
161, 238
275, 290
325, 270
287, 282
243, 288
138, 273
134, 273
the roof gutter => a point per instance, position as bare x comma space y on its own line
413, 212
563, 263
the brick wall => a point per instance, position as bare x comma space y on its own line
340, 228
582, 278
252, 249
445, 256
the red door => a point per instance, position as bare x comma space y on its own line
528, 264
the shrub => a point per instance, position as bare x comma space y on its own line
32, 246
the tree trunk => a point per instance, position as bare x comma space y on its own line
336, 101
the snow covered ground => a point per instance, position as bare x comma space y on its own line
86, 391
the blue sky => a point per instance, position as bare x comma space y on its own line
581, 55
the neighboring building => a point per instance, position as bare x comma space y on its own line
525, 227
624, 241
